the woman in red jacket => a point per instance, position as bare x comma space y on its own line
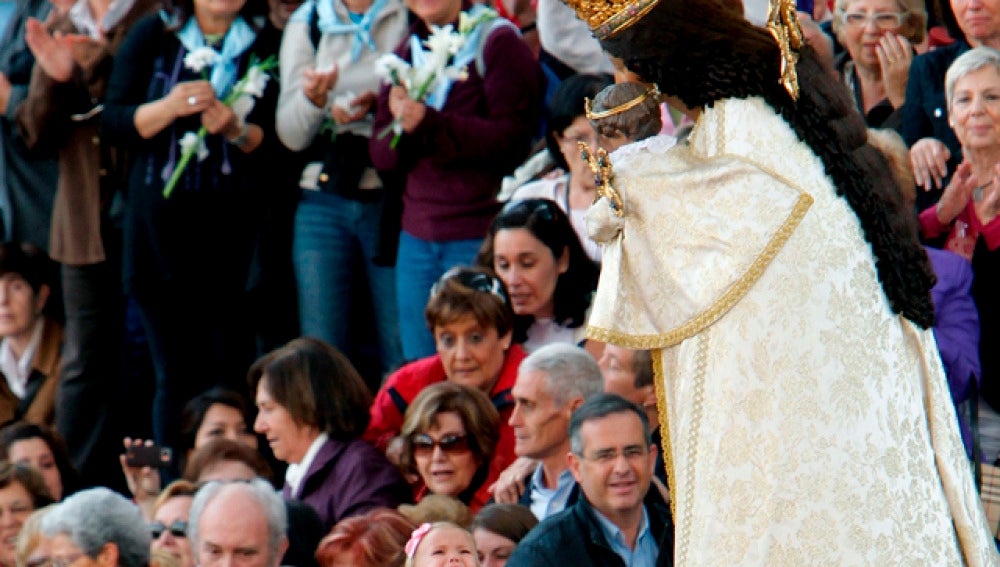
472, 322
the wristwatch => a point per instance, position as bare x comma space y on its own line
242, 138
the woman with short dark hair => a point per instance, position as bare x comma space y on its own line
470, 317
313, 407
31, 344
42, 448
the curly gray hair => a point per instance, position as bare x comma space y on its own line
98, 516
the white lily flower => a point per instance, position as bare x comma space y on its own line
456, 74
389, 65
242, 106
255, 81
198, 59
191, 142
344, 101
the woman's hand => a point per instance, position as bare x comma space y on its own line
409, 112
190, 97
317, 86
52, 51
362, 105
143, 482
220, 119
895, 55
929, 158
510, 485
989, 206
957, 194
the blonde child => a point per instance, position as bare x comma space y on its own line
437, 544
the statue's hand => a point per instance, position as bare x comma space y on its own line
603, 225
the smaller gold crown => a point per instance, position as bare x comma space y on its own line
588, 105
608, 17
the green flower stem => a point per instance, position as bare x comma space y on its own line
168, 189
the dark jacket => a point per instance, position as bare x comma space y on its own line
574, 537
39, 403
925, 112
350, 478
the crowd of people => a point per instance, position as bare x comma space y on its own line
281, 284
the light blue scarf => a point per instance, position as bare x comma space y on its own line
238, 39
330, 23
465, 55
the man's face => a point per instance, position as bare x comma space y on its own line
616, 464
541, 428
233, 532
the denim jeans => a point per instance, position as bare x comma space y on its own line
332, 235
419, 265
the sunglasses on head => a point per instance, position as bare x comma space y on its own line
542, 208
476, 281
176, 529
450, 444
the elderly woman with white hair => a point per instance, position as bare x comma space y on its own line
879, 36
97, 528
965, 218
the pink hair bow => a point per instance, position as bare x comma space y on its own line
417, 535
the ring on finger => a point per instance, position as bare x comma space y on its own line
192, 100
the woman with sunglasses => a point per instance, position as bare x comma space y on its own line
449, 435
473, 326
533, 248
879, 36
312, 408
168, 529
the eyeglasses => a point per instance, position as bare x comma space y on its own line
606, 456
476, 281
66, 561
449, 444
542, 208
883, 20
176, 529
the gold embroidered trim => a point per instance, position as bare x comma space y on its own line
697, 410
659, 382
730, 298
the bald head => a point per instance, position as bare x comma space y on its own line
238, 523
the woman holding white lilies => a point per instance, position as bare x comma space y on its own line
455, 145
328, 85
187, 254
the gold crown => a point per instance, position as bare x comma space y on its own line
588, 105
608, 17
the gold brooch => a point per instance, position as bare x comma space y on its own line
600, 164
783, 23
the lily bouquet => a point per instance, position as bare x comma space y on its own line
240, 99
421, 80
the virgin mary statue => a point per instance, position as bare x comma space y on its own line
770, 266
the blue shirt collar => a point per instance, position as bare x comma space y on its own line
646, 550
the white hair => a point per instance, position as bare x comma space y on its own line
260, 491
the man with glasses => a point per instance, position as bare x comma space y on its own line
619, 521
238, 524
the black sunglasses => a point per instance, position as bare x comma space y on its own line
449, 444
476, 281
176, 529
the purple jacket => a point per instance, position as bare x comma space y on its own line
957, 328
350, 478
456, 157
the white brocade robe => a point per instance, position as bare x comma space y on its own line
807, 424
